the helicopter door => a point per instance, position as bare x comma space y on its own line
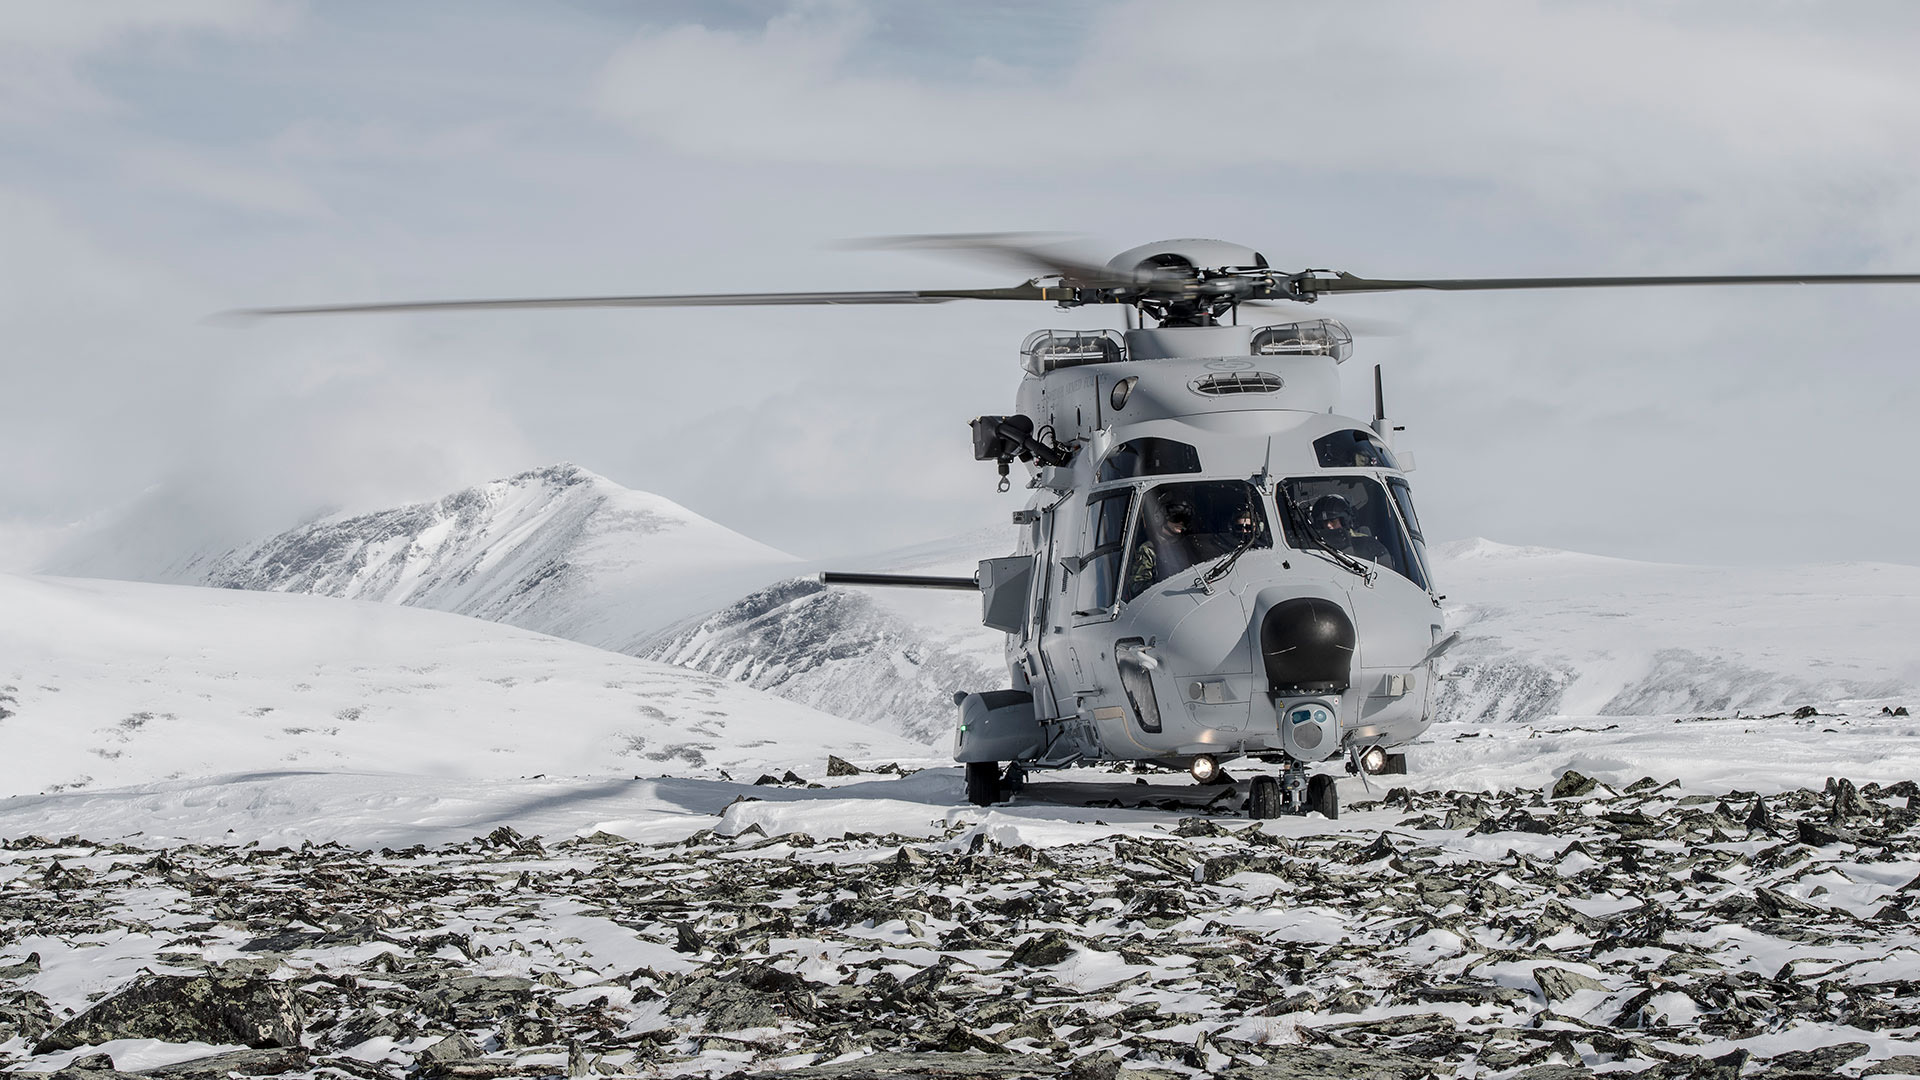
1048, 597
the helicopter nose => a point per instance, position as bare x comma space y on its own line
1307, 646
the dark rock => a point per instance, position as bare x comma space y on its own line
1815, 834
92, 1063
1901, 1063
524, 1032
1042, 950
924, 1066
29, 966
1572, 785
1559, 984
473, 1000
196, 1008
24, 1013
1471, 993
1331, 1063
1825, 1059
1100, 1066
1847, 803
269, 1062
1805, 712
368, 1024
1758, 818
841, 767
687, 939
1515, 820
754, 996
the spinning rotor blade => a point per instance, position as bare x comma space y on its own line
1310, 283
1030, 252
1019, 292
1294, 309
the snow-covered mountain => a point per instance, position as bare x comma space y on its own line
559, 550
892, 658
106, 683
1548, 632
563, 551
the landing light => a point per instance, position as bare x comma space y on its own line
1374, 760
1204, 768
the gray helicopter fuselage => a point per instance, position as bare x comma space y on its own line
1138, 640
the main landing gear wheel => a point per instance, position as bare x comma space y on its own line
1323, 796
983, 782
1264, 800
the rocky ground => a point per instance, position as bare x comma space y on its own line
1539, 934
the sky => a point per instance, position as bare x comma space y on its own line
159, 163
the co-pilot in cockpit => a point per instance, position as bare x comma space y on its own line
1185, 524
1351, 515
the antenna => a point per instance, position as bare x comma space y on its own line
1379, 406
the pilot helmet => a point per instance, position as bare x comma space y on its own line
1332, 515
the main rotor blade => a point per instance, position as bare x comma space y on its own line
1300, 312
1018, 292
1349, 283
1031, 252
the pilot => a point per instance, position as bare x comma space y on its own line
1335, 523
1168, 550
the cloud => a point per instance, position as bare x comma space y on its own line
44, 45
1473, 89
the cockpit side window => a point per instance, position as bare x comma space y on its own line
1185, 524
1353, 449
1148, 457
1106, 534
1349, 514
1403, 497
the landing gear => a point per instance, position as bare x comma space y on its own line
983, 782
1292, 792
1264, 801
1323, 796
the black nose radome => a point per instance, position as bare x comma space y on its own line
1307, 644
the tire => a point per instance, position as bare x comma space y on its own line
1263, 798
1323, 796
983, 782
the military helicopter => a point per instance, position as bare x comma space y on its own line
1214, 564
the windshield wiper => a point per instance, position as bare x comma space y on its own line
1344, 560
1224, 567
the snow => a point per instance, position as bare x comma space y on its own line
1555, 633
111, 684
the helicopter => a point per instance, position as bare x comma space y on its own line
1214, 565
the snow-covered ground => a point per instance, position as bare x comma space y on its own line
224, 768
104, 684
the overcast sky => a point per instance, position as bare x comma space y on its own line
160, 161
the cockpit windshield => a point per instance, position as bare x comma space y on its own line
1185, 524
1354, 449
1351, 515
1148, 457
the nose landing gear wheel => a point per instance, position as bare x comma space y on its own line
1264, 800
1323, 796
983, 782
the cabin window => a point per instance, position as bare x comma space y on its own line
1348, 514
1148, 457
1106, 535
1356, 449
1183, 525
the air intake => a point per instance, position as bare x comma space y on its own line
1237, 382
